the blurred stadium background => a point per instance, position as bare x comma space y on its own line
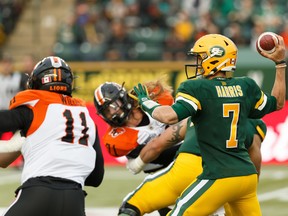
139, 40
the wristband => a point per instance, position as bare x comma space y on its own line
281, 66
149, 106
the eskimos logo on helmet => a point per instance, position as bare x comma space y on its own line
217, 51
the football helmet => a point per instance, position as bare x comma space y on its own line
113, 103
52, 74
210, 54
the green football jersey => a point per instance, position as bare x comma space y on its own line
190, 143
219, 109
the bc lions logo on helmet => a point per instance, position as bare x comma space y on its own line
217, 51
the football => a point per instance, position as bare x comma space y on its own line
265, 42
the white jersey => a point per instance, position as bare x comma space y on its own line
147, 132
60, 139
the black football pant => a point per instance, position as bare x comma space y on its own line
39, 200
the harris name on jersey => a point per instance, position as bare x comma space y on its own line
229, 91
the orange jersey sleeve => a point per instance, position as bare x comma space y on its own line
38, 101
120, 141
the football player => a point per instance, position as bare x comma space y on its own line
219, 108
130, 129
61, 151
171, 181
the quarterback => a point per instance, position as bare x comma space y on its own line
223, 115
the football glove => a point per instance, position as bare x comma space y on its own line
12, 145
135, 165
144, 100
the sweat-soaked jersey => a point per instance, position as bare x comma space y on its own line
60, 138
220, 109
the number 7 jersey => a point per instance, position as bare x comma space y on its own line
220, 109
60, 138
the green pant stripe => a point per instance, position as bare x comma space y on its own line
190, 195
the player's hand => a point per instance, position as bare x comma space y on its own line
12, 145
279, 54
135, 165
144, 100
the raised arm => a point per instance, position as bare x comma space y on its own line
279, 87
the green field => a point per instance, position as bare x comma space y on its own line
272, 191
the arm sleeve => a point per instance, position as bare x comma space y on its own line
262, 103
96, 176
186, 104
18, 118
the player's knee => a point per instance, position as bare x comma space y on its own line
128, 210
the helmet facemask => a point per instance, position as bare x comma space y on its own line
194, 70
113, 104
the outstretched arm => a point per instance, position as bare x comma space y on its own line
171, 136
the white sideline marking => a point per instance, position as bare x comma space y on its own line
280, 194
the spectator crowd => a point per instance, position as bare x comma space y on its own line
120, 30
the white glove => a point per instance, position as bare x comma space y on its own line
135, 165
12, 145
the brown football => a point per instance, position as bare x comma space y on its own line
265, 42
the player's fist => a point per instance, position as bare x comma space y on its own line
135, 165
278, 54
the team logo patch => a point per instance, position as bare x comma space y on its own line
217, 51
117, 131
